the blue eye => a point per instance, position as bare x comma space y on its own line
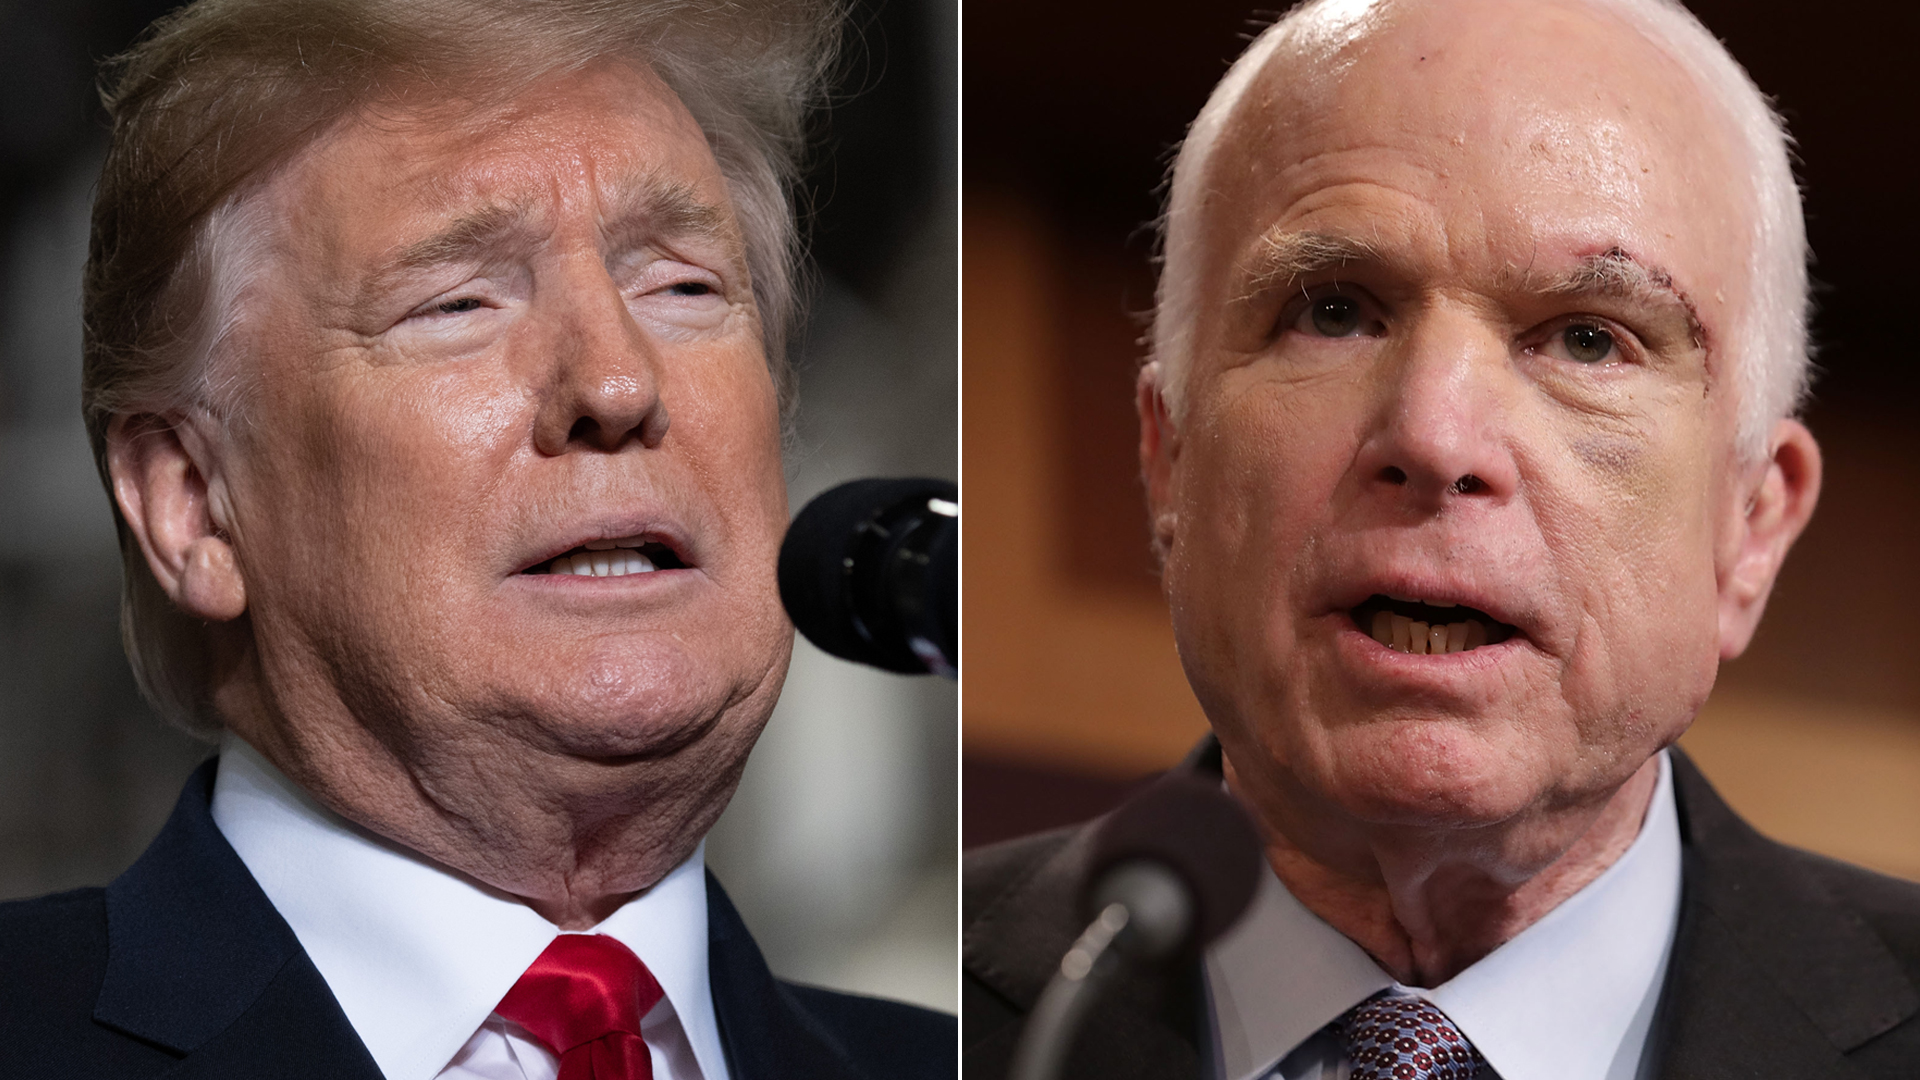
1587, 344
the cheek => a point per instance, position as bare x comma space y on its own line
727, 429
1631, 538
1257, 474
425, 455
371, 491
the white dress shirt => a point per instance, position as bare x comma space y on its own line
418, 955
1570, 998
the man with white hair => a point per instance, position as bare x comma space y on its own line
1470, 452
435, 365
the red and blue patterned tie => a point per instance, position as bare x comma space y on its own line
1406, 1038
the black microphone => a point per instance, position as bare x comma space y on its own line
869, 572
1171, 870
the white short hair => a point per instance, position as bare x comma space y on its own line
1774, 368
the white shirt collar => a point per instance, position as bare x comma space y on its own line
1570, 998
418, 955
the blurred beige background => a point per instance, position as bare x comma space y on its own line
1072, 685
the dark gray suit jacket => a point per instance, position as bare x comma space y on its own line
1786, 964
183, 969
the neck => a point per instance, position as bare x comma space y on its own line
573, 838
1428, 903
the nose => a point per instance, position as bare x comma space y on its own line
1438, 437
603, 385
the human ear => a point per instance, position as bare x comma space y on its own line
161, 468
1778, 495
1159, 449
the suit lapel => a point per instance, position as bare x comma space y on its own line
1770, 975
766, 1034
1144, 1025
199, 962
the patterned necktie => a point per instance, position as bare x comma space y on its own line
584, 998
1406, 1038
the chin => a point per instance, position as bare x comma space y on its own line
652, 700
1434, 773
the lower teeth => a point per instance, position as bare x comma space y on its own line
1401, 634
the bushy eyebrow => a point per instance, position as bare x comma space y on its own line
649, 207
472, 234
671, 210
1281, 258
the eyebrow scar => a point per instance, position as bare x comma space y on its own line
1616, 274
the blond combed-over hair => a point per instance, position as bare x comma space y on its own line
220, 94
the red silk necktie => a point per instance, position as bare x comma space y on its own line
584, 998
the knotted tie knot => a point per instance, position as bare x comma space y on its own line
584, 997
1406, 1038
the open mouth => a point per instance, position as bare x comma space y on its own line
1426, 627
612, 558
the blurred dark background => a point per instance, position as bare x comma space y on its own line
855, 781
1072, 107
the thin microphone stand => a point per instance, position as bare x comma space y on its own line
1083, 973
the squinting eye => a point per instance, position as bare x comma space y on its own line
690, 288
1335, 316
1587, 344
455, 307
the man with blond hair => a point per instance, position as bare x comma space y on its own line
435, 364
1470, 450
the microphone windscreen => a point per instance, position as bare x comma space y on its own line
1188, 823
830, 551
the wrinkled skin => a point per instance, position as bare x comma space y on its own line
1437, 435
579, 358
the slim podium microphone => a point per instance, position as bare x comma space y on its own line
1172, 869
869, 572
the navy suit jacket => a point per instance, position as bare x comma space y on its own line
182, 968
1785, 966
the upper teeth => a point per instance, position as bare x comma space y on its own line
1406, 635
608, 561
